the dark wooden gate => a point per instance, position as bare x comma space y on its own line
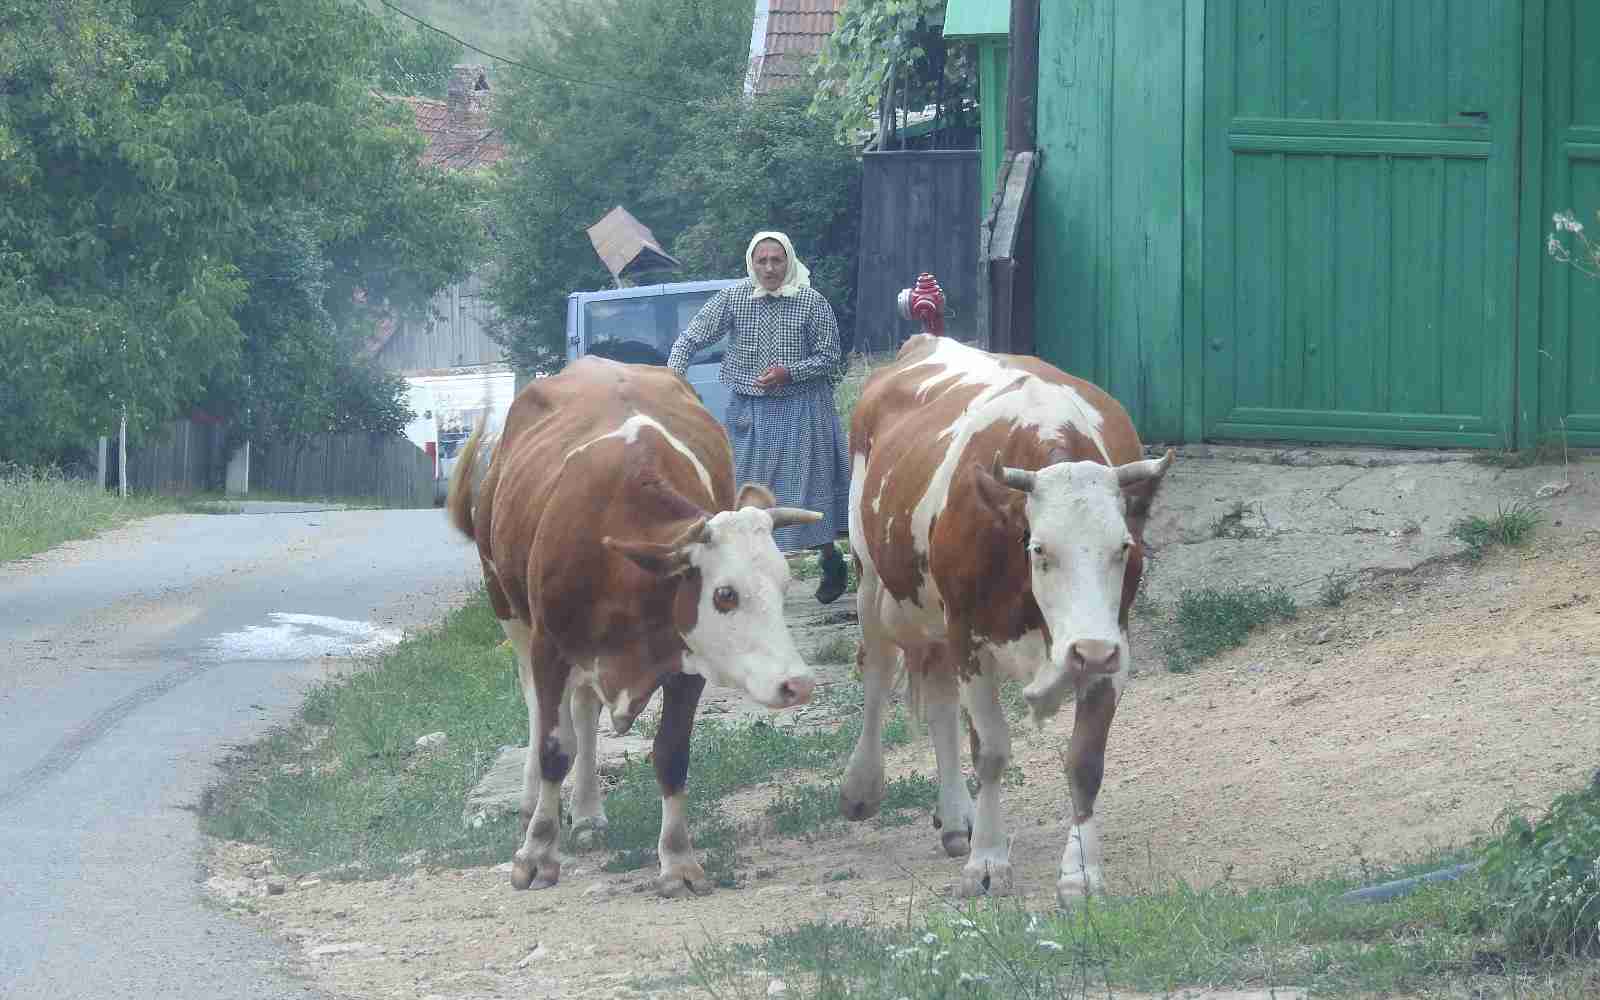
916, 215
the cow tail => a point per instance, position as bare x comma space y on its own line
459, 503
916, 700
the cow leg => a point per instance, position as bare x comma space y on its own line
989, 868
862, 791
1086, 758
551, 742
521, 638
589, 823
941, 701
681, 874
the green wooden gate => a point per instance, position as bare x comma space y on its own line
1360, 205
1560, 350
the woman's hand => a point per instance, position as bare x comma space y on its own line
774, 376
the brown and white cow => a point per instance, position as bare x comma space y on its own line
619, 560
997, 510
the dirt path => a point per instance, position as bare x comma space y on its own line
1404, 719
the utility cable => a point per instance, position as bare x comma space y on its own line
532, 69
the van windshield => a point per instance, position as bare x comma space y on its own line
642, 330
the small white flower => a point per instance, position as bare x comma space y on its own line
930, 938
1049, 946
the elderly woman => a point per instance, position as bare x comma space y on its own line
782, 363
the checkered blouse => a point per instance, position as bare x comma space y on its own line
798, 332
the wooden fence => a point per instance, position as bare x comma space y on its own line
184, 458
188, 457
388, 469
919, 212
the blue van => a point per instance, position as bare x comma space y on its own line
639, 326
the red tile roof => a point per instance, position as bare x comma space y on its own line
459, 134
796, 30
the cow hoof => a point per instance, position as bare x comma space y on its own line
1074, 889
590, 832
527, 875
682, 882
956, 843
857, 809
986, 878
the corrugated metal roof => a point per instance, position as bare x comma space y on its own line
977, 18
796, 30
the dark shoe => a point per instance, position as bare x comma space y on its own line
835, 576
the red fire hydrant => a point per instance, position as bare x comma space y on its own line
924, 301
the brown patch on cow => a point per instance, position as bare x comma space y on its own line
1086, 751
680, 696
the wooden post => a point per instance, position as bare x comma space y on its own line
1022, 86
100, 461
1008, 254
122, 452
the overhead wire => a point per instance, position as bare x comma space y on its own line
530, 68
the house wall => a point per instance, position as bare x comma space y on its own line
455, 335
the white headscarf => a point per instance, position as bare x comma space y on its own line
798, 277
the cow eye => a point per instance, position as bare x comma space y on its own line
1036, 549
725, 599
1126, 551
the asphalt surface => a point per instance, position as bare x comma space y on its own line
129, 665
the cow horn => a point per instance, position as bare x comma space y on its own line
785, 516
697, 531
1017, 479
1149, 468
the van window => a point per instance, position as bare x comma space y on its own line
643, 330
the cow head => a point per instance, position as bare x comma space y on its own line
730, 604
1078, 546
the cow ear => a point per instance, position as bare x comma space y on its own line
992, 493
662, 559
755, 495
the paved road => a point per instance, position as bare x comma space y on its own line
129, 664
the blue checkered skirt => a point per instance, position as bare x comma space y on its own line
795, 446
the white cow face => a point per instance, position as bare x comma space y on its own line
738, 637
1078, 547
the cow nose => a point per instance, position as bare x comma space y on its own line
796, 691
1092, 656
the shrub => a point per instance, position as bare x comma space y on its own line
1544, 878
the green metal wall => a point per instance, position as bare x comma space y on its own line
1560, 359
993, 54
1322, 221
1109, 202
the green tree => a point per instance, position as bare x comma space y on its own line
159, 165
413, 60
581, 148
767, 164
888, 54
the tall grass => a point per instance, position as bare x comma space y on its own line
42, 508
